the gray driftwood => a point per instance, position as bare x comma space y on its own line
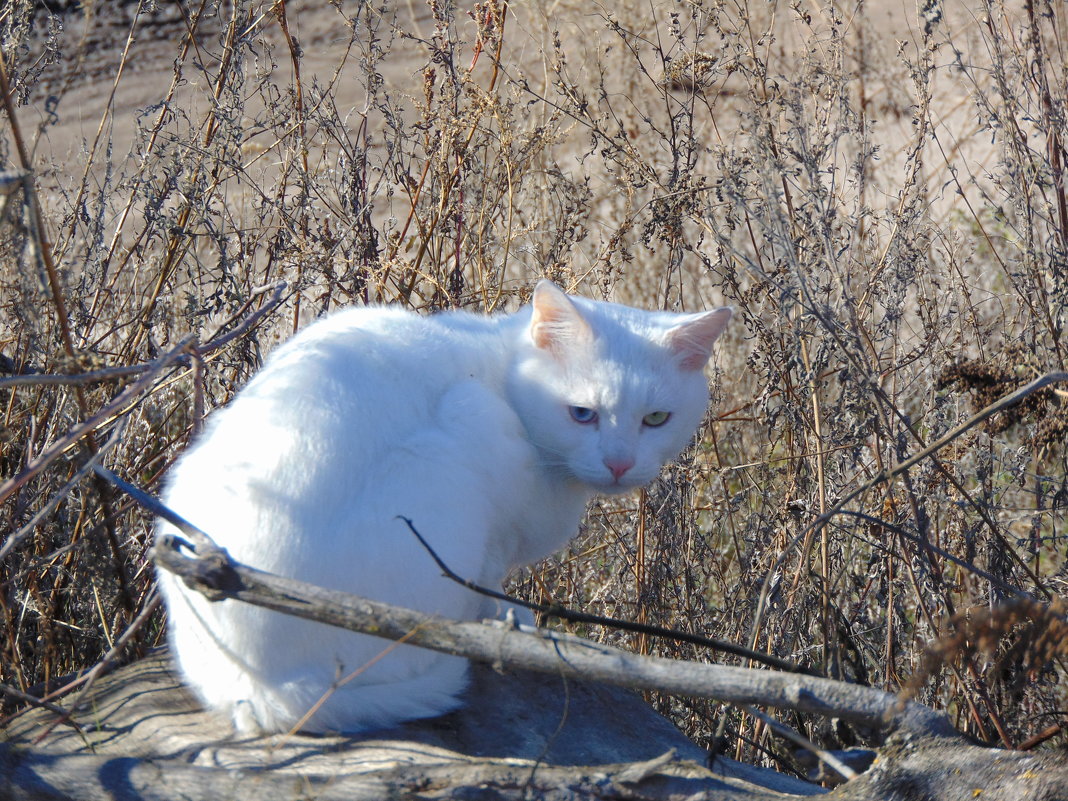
145, 737
521, 735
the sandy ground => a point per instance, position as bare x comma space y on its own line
101, 107
95, 96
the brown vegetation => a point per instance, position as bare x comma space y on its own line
886, 213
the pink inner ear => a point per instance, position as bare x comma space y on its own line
693, 340
555, 322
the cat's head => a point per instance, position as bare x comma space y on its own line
609, 393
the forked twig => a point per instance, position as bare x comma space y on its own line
195, 538
199, 542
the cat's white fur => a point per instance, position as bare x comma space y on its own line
461, 423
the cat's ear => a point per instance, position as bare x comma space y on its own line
556, 324
692, 340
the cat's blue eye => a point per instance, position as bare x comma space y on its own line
580, 414
654, 419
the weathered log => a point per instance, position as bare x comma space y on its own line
144, 736
521, 735
919, 768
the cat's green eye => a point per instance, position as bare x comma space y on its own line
580, 414
654, 419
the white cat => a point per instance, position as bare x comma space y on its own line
490, 433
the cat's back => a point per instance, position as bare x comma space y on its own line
341, 393
373, 363
395, 346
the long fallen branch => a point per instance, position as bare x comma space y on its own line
205, 567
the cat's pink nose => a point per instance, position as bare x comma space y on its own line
619, 466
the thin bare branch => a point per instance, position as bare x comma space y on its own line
129, 396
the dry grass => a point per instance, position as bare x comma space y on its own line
889, 222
